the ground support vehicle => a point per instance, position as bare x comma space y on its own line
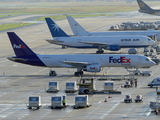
87, 86
71, 87
58, 102
128, 98
127, 84
81, 101
139, 98
53, 87
34, 102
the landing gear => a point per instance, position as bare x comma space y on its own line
100, 52
52, 73
64, 47
78, 73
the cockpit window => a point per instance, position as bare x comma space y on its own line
149, 39
147, 59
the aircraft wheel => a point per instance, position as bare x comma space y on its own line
76, 74
52, 73
64, 47
81, 72
100, 52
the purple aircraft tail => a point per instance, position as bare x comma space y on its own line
19, 47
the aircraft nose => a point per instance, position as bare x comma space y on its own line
153, 42
152, 63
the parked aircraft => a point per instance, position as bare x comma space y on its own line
78, 30
112, 43
83, 62
144, 8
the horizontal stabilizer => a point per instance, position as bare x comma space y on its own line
16, 59
53, 41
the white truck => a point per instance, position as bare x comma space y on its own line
154, 82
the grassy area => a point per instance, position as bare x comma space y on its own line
11, 26
67, 7
66, 10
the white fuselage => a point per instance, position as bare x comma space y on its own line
149, 33
102, 60
121, 41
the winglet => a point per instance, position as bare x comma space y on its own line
19, 47
55, 30
75, 26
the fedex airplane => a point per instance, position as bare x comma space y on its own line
112, 43
83, 62
144, 8
78, 30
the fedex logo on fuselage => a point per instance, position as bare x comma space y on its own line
18, 46
119, 60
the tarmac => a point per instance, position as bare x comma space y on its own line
18, 81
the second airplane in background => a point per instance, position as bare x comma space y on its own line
112, 43
78, 30
144, 8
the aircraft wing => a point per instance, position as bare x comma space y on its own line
76, 63
53, 41
95, 43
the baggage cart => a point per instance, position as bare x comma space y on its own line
53, 87
57, 102
71, 87
81, 101
34, 102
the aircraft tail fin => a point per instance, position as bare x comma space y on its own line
55, 30
19, 47
75, 26
143, 5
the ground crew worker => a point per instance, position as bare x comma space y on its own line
131, 83
136, 83
64, 102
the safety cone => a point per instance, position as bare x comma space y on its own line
105, 100
109, 96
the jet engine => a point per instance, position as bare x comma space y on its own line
92, 68
113, 47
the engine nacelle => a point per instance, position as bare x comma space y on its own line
92, 68
113, 47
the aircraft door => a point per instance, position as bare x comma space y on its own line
139, 61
